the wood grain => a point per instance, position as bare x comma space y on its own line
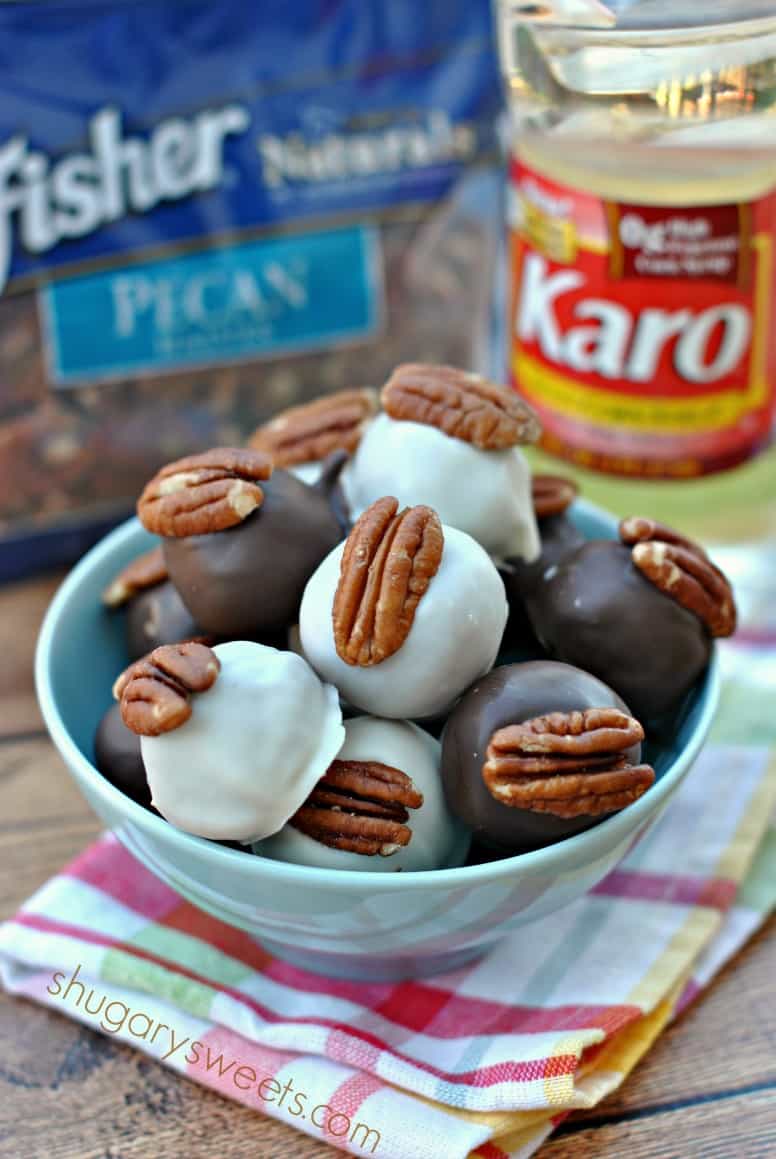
707, 1089
741, 1126
21, 611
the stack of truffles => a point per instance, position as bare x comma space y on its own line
370, 637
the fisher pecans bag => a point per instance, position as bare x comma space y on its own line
212, 211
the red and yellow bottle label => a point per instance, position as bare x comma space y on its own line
643, 335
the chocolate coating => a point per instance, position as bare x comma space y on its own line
117, 756
249, 579
559, 537
329, 484
598, 610
157, 616
511, 695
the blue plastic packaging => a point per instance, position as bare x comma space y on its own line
210, 211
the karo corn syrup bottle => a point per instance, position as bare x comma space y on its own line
642, 217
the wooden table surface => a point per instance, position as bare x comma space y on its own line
707, 1089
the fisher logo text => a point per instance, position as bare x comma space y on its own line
44, 202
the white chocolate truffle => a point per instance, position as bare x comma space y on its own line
439, 840
253, 748
484, 493
454, 638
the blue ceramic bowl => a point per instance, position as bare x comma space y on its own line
376, 926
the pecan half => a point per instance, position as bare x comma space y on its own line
463, 405
140, 574
552, 494
155, 691
204, 493
388, 561
638, 529
308, 433
570, 764
361, 807
682, 570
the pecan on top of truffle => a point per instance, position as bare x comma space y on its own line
204, 493
682, 570
155, 692
389, 559
147, 571
361, 807
463, 405
569, 764
310, 432
552, 494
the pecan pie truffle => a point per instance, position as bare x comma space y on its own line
640, 614
552, 497
117, 756
155, 613
450, 439
537, 752
233, 738
379, 807
240, 539
300, 438
404, 615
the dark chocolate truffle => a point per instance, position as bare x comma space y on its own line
512, 695
559, 537
248, 580
155, 613
552, 497
596, 609
157, 616
117, 756
329, 484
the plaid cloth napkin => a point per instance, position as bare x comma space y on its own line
486, 1060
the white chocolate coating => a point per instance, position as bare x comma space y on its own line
454, 638
439, 840
253, 748
485, 493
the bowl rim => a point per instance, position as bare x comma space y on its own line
587, 845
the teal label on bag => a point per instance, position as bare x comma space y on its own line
236, 303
